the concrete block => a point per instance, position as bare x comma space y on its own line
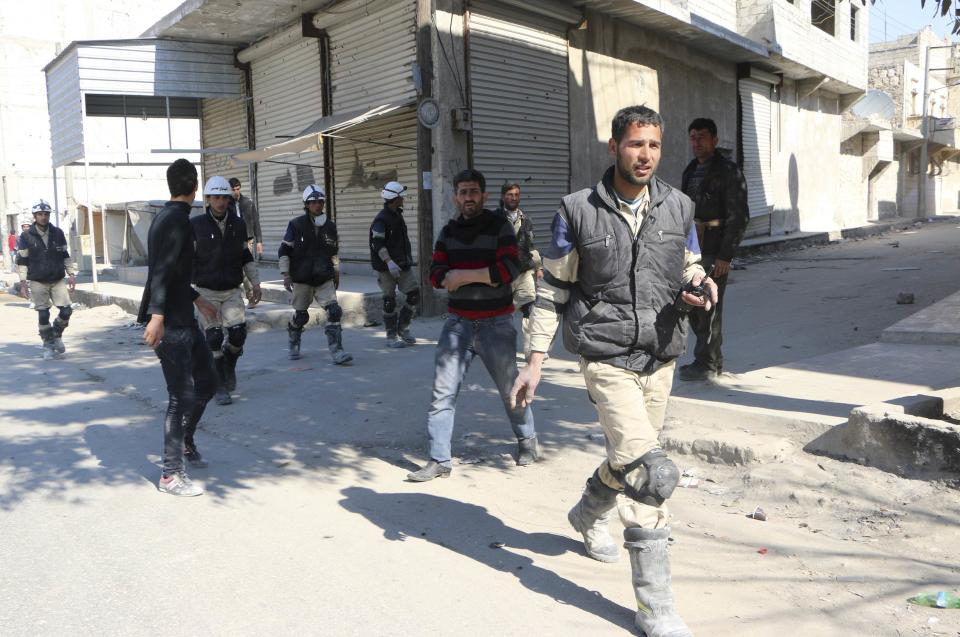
718, 445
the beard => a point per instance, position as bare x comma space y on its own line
626, 173
510, 207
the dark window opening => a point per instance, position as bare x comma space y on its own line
853, 23
823, 15
143, 106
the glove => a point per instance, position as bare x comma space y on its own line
287, 283
394, 269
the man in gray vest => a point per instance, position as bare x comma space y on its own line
622, 266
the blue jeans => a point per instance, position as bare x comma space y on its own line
494, 340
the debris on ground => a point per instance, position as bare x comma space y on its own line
758, 514
905, 298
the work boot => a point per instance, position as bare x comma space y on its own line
393, 341
403, 325
230, 357
222, 396
293, 335
528, 451
590, 516
431, 470
58, 326
697, 371
335, 343
650, 562
49, 349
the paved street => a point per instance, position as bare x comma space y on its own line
308, 528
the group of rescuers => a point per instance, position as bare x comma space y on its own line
623, 268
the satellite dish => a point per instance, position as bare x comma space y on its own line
875, 103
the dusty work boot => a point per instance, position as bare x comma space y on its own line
335, 343
222, 396
650, 562
230, 357
431, 470
697, 371
293, 336
393, 340
403, 326
528, 451
590, 517
58, 326
49, 347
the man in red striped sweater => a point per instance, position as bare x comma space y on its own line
475, 260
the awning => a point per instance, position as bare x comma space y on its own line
310, 140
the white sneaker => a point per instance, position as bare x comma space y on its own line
179, 484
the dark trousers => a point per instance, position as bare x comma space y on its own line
191, 382
707, 326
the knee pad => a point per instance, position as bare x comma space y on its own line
214, 338
334, 312
44, 316
525, 309
300, 318
658, 476
237, 335
389, 305
65, 312
413, 298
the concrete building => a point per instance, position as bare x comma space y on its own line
902, 69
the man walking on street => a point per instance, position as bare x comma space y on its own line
45, 267
525, 285
311, 270
173, 332
719, 192
251, 217
222, 262
475, 260
392, 258
619, 256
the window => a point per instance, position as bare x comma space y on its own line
823, 14
853, 22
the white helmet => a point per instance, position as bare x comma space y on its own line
25, 220
41, 206
312, 192
217, 185
393, 190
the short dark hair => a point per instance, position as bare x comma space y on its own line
507, 187
182, 178
234, 182
640, 115
703, 123
470, 174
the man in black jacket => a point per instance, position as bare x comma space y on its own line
392, 258
311, 270
42, 263
719, 192
222, 262
251, 217
525, 285
167, 309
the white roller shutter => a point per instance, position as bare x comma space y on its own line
370, 155
286, 99
519, 99
755, 142
224, 125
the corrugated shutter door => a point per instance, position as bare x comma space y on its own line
518, 83
224, 125
755, 142
361, 170
286, 99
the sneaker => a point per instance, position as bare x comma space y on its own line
222, 397
407, 338
179, 484
528, 451
394, 342
697, 371
433, 469
192, 455
340, 357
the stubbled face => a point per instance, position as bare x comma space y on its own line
469, 199
42, 219
219, 204
638, 153
315, 207
702, 143
236, 192
511, 199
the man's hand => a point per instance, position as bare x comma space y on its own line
287, 283
336, 279
72, 283
260, 249
540, 274
394, 268
522, 393
453, 280
153, 333
706, 301
255, 295
721, 268
207, 309
24, 289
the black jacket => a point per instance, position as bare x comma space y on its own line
219, 262
524, 240
310, 250
44, 261
722, 195
390, 230
251, 218
170, 251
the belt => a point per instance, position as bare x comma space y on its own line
713, 223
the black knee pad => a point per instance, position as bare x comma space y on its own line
65, 312
334, 312
661, 478
413, 298
214, 338
237, 335
300, 318
44, 316
389, 305
525, 309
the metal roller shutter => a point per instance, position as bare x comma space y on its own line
518, 83
224, 125
755, 141
286, 99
